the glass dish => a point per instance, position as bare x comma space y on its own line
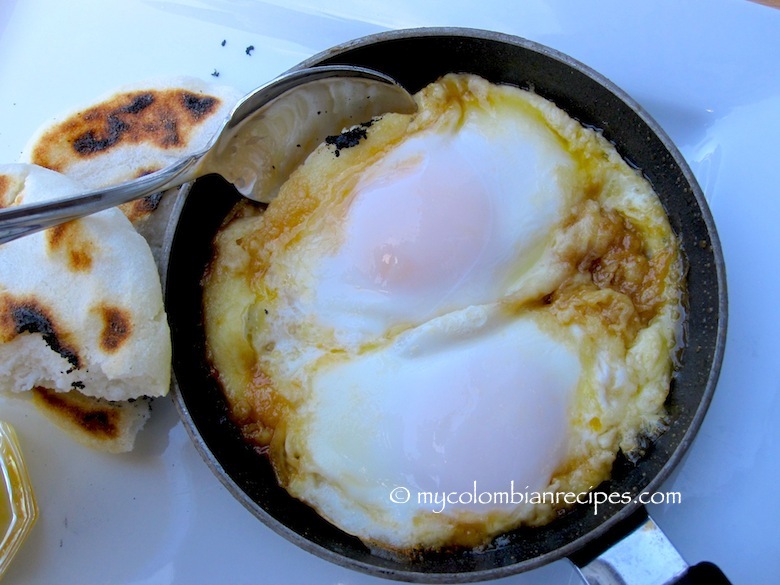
18, 509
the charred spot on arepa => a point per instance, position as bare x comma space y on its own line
6, 196
141, 208
162, 118
95, 416
106, 425
10, 188
20, 315
139, 102
117, 327
71, 243
198, 106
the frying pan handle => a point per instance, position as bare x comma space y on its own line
637, 552
705, 573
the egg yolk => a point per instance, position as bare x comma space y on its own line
417, 232
442, 222
424, 418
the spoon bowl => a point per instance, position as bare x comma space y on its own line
268, 133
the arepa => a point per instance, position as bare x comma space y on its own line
81, 305
130, 132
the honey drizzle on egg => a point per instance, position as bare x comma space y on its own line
613, 275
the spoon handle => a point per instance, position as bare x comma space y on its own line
24, 220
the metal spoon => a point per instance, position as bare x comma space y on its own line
268, 133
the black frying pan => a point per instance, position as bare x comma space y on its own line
415, 58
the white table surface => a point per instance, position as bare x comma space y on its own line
707, 70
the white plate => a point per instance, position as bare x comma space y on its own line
707, 70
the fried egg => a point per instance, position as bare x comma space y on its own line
479, 297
